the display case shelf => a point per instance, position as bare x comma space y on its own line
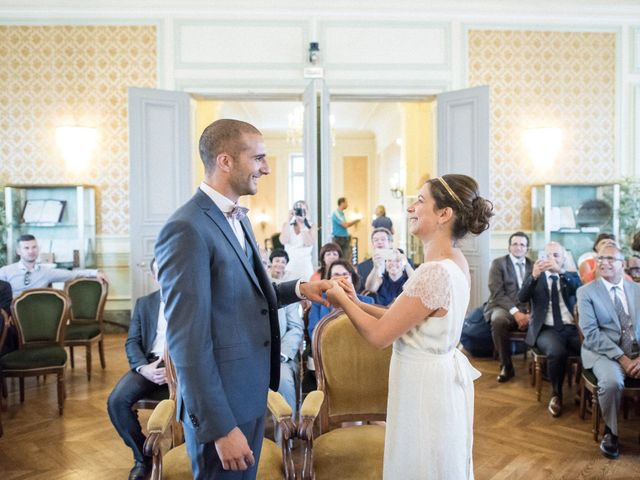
72, 239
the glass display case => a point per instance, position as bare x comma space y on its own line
573, 215
61, 217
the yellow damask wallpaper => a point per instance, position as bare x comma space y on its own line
545, 79
72, 75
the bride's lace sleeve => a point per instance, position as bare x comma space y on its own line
431, 284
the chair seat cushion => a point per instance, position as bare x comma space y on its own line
36, 357
81, 332
177, 466
349, 453
270, 466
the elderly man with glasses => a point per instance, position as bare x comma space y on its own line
27, 273
609, 317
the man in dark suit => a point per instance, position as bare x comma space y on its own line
146, 377
610, 320
552, 293
222, 308
11, 340
503, 309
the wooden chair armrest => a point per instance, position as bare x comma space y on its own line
309, 412
159, 421
282, 412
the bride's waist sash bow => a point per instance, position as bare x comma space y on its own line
464, 371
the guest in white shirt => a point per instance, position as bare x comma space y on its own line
146, 378
28, 273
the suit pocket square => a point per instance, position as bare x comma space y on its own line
231, 352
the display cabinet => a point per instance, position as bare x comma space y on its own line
573, 215
61, 217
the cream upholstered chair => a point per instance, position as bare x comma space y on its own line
352, 387
275, 462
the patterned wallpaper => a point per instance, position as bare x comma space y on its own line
65, 75
545, 79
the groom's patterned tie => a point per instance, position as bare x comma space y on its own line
238, 212
628, 342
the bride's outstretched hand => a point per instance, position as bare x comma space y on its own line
348, 288
336, 295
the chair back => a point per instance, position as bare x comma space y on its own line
353, 374
88, 297
172, 377
40, 315
4, 328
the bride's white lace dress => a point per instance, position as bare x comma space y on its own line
429, 434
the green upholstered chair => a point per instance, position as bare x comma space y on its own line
39, 316
353, 382
87, 296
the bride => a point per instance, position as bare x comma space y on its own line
429, 432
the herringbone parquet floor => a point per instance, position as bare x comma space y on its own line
515, 437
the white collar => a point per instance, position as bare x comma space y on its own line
22, 266
223, 203
516, 261
610, 285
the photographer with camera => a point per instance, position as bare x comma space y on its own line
391, 271
297, 238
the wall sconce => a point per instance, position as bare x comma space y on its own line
76, 144
262, 218
396, 191
542, 144
314, 53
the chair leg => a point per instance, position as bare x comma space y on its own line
532, 373
89, 362
583, 403
21, 389
73, 363
538, 366
103, 363
61, 393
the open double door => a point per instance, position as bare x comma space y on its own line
162, 139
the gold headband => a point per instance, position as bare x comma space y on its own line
451, 192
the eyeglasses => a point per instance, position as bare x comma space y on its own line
27, 279
609, 259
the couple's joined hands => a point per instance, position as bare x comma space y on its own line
338, 291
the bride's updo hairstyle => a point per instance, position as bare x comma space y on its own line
460, 193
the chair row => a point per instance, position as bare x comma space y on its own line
46, 321
341, 425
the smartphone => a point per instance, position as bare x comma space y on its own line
542, 255
385, 253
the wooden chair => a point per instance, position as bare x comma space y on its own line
275, 462
518, 336
352, 387
589, 388
539, 363
88, 297
39, 315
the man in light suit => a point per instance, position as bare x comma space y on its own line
609, 309
552, 293
146, 377
503, 309
222, 309
291, 333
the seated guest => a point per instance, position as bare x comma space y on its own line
291, 333
146, 378
388, 281
633, 267
552, 293
610, 320
587, 262
329, 253
11, 340
381, 240
339, 268
503, 310
28, 273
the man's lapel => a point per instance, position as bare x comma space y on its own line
631, 301
604, 299
213, 212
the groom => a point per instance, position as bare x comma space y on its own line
222, 309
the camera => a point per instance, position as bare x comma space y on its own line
299, 212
